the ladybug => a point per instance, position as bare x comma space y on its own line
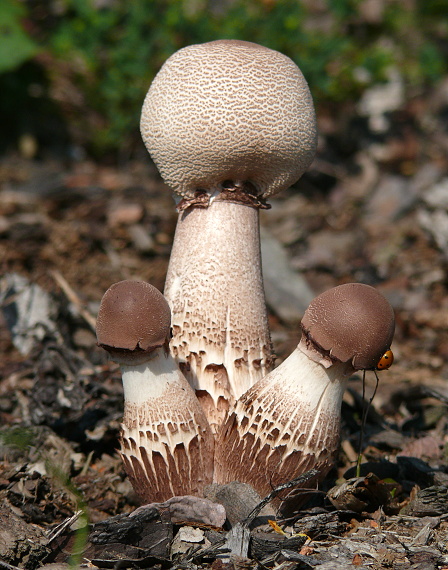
386, 360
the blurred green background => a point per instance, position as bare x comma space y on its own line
74, 73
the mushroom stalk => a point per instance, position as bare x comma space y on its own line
215, 290
164, 431
285, 425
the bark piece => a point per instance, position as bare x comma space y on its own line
264, 544
323, 525
429, 502
360, 494
148, 531
146, 534
237, 541
20, 543
28, 310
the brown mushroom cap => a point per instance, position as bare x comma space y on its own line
133, 320
351, 323
233, 111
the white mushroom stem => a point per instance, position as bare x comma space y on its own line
166, 443
215, 291
285, 425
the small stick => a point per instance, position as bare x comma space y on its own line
304, 478
56, 531
364, 418
349, 450
73, 298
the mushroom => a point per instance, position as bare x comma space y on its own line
166, 441
289, 422
228, 124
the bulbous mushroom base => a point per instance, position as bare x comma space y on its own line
158, 473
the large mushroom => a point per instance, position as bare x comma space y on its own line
289, 422
228, 124
166, 441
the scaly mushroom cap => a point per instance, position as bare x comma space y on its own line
133, 320
233, 111
351, 323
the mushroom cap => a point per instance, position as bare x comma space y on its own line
350, 323
229, 110
133, 320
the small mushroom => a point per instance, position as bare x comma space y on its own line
228, 124
166, 441
289, 422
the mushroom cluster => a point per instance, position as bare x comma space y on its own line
228, 124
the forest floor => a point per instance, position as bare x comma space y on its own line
373, 208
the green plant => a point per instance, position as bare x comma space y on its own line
19, 438
16, 46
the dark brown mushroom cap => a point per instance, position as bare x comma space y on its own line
351, 323
133, 320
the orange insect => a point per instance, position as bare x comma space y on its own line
386, 360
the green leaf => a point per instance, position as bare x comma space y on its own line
16, 46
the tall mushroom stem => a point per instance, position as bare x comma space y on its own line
215, 290
228, 123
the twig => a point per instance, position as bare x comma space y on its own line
364, 418
87, 464
73, 298
304, 478
60, 528
198, 554
430, 392
6, 566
